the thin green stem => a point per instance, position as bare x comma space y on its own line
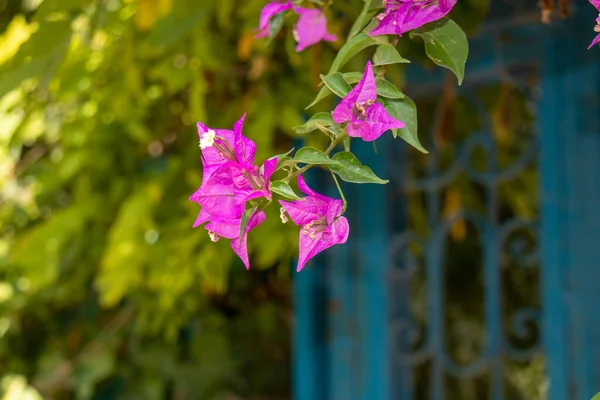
326, 152
345, 204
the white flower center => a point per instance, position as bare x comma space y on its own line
283, 215
213, 236
208, 139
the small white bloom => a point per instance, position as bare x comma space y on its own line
208, 139
213, 236
283, 215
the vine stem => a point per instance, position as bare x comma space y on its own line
344, 202
326, 152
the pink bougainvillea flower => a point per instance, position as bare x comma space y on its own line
321, 221
229, 180
229, 228
405, 15
311, 28
268, 12
229, 175
596, 3
366, 118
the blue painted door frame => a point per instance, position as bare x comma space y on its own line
343, 321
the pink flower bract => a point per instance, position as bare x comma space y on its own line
405, 15
596, 3
311, 28
366, 118
268, 12
229, 180
321, 221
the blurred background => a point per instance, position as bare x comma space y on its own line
464, 278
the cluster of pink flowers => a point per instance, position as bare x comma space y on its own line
310, 29
231, 180
399, 16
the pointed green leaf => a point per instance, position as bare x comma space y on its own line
284, 190
336, 83
446, 45
317, 121
406, 111
323, 93
352, 77
368, 12
387, 54
351, 170
310, 155
275, 25
350, 49
349, 77
387, 89
284, 155
246, 218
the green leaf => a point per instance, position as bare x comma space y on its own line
310, 155
350, 49
174, 26
387, 89
284, 155
318, 121
406, 111
323, 93
246, 218
446, 45
346, 142
368, 12
275, 25
336, 84
387, 54
352, 77
351, 170
284, 190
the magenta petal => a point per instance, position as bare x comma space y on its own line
594, 42
304, 187
303, 212
364, 91
405, 15
385, 27
380, 121
268, 168
201, 218
239, 245
343, 111
359, 129
308, 191
269, 11
244, 147
337, 233
311, 28
210, 155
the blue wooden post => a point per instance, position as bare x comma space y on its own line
310, 345
372, 285
570, 154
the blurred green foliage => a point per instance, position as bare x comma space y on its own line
106, 289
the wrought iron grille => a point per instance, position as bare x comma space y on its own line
465, 269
